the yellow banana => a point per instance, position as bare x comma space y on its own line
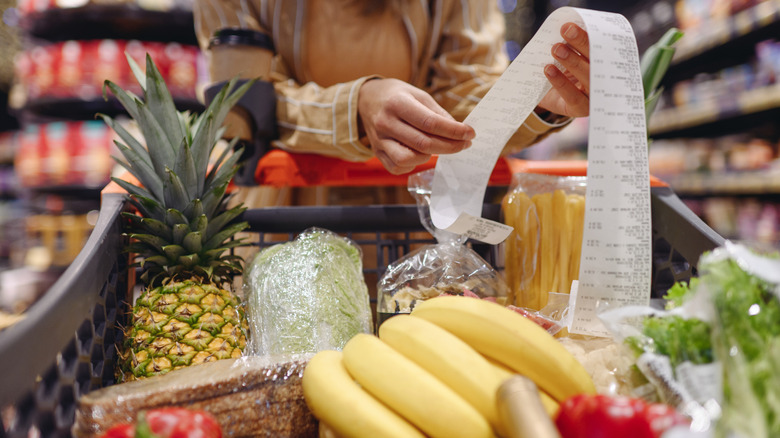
348, 410
448, 358
511, 339
407, 388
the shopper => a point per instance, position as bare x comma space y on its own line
392, 79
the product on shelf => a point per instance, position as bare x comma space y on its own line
27, 7
732, 153
76, 70
65, 154
57, 239
8, 142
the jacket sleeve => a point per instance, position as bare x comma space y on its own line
310, 119
470, 59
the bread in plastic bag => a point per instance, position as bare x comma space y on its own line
446, 267
306, 295
543, 253
249, 396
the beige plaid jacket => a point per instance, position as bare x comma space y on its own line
457, 54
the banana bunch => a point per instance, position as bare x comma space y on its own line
437, 372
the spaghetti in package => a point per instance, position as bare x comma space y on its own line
447, 267
543, 252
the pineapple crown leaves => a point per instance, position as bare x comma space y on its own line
174, 167
184, 227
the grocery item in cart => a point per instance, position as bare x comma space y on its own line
714, 352
446, 267
183, 231
543, 253
248, 396
306, 295
169, 422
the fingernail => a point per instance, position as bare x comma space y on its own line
571, 32
561, 51
551, 71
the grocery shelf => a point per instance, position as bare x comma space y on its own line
113, 21
665, 123
753, 183
47, 109
703, 48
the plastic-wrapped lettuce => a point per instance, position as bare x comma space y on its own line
306, 295
715, 351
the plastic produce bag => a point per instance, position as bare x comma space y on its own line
543, 253
446, 267
714, 352
306, 295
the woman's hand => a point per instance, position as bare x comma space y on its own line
570, 91
405, 125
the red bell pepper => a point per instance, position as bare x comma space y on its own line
168, 423
603, 416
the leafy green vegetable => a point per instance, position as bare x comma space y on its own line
679, 292
306, 295
744, 337
678, 338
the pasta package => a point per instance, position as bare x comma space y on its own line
447, 267
542, 255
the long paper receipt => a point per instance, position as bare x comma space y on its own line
615, 267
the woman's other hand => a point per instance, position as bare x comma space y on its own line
405, 125
570, 91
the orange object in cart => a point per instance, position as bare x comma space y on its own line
279, 168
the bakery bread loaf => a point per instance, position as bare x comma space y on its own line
249, 396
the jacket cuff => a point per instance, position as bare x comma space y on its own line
346, 135
542, 123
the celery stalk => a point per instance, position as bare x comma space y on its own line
654, 64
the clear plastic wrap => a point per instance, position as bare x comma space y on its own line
306, 295
714, 352
447, 267
543, 253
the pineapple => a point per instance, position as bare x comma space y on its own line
186, 315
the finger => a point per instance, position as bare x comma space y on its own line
577, 103
574, 63
421, 142
429, 102
576, 37
431, 122
397, 158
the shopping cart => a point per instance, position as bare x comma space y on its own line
66, 346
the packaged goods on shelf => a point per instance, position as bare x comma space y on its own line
734, 153
30, 7
76, 70
65, 154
